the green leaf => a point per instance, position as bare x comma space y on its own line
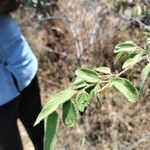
147, 45
147, 33
118, 57
77, 80
78, 84
126, 88
137, 11
105, 70
87, 75
132, 61
125, 47
145, 73
52, 105
121, 6
82, 101
89, 88
51, 132
135, 52
96, 92
69, 114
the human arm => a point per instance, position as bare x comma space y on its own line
7, 6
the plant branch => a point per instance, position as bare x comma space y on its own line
126, 69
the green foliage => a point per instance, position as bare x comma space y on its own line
82, 101
125, 47
104, 70
69, 114
134, 12
126, 88
121, 6
138, 8
144, 75
79, 84
129, 49
119, 56
87, 75
93, 84
55, 102
147, 45
132, 61
51, 131
137, 11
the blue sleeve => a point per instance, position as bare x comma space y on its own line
9, 29
9, 35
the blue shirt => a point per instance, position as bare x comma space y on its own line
17, 60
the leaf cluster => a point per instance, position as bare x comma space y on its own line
92, 84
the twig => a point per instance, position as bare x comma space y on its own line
55, 18
126, 69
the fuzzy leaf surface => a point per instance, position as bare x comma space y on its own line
82, 101
118, 57
132, 61
87, 75
126, 88
125, 47
145, 73
105, 70
55, 102
51, 132
69, 114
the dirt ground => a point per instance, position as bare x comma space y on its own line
114, 124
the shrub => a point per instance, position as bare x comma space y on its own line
92, 83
